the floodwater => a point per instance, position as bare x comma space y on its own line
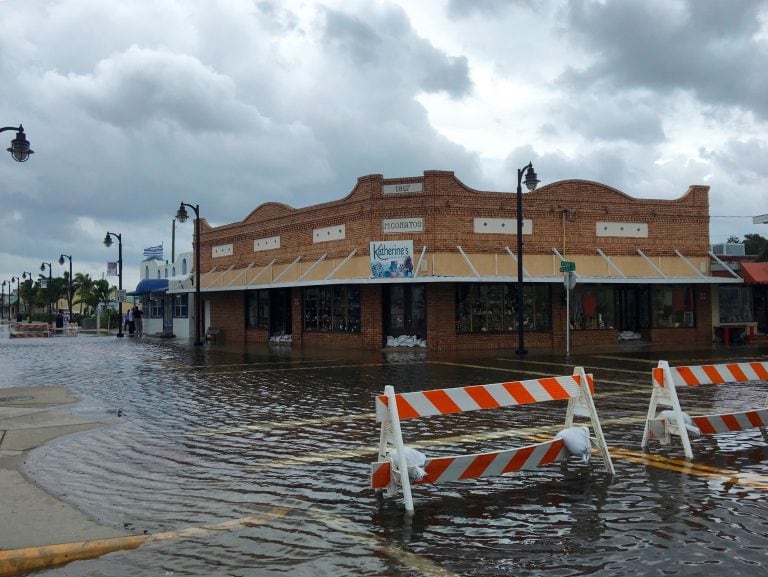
257, 460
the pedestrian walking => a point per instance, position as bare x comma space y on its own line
131, 322
138, 321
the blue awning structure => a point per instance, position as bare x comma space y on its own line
149, 286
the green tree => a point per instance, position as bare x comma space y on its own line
754, 244
83, 287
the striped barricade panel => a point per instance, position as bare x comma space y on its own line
478, 465
730, 422
693, 376
460, 399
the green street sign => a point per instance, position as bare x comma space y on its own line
567, 266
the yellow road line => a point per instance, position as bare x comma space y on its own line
16, 561
285, 424
571, 365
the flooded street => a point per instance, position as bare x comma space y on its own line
257, 462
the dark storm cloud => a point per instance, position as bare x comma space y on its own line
386, 41
708, 47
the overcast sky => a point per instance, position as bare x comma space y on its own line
133, 106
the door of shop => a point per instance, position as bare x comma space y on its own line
632, 308
405, 310
279, 312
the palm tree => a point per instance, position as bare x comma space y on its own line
83, 288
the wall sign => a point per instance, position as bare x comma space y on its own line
402, 225
392, 259
403, 188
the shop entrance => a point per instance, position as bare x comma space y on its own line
405, 310
280, 312
632, 308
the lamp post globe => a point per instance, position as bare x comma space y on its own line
531, 180
19, 148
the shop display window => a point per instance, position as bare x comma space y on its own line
257, 309
492, 308
332, 309
672, 307
592, 308
735, 304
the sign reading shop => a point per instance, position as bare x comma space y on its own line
402, 225
392, 259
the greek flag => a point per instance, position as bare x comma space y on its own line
154, 252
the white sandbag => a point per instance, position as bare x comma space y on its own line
414, 460
669, 416
577, 441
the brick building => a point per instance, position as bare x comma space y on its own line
429, 257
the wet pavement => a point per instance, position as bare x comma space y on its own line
255, 461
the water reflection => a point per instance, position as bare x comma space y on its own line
212, 434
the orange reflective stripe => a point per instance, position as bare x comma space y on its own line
737, 373
687, 375
760, 370
442, 402
704, 425
519, 393
518, 461
658, 376
553, 452
754, 419
555, 389
714, 375
404, 408
381, 476
435, 468
731, 422
478, 466
482, 397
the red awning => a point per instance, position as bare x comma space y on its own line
755, 272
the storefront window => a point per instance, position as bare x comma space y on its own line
156, 308
492, 308
673, 307
592, 308
735, 304
332, 309
257, 309
180, 306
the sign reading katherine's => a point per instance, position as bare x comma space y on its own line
392, 259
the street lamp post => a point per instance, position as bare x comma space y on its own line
18, 296
181, 216
50, 287
19, 149
28, 301
531, 181
2, 295
108, 243
69, 284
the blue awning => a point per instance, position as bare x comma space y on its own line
150, 285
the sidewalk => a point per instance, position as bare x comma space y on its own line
29, 417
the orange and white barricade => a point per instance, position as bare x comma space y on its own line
387, 473
28, 330
665, 381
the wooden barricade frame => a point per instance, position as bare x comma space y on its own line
392, 408
17, 330
665, 381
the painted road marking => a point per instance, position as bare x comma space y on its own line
571, 366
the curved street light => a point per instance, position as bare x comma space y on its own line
108, 243
50, 287
2, 295
531, 180
28, 301
69, 284
19, 148
182, 216
18, 296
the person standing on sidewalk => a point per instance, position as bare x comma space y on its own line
138, 321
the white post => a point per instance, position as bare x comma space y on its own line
567, 314
397, 437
